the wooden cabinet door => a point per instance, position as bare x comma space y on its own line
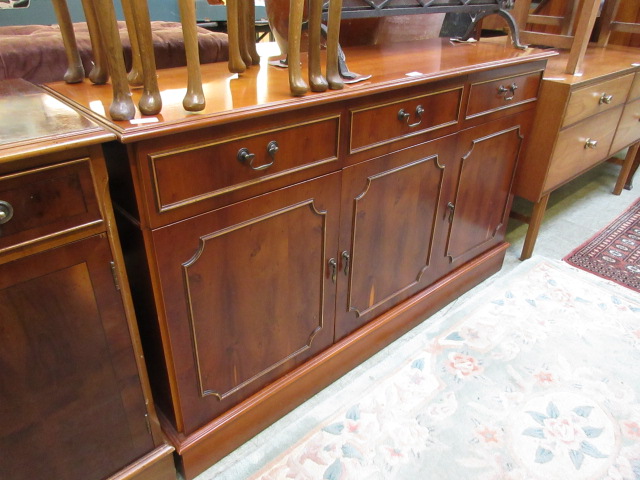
479, 199
71, 402
389, 216
248, 294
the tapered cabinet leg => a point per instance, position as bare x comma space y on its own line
623, 176
534, 227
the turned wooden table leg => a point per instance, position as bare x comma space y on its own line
135, 74
333, 39
151, 102
75, 70
297, 84
236, 64
122, 107
317, 81
99, 74
626, 174
194, 98
534, 226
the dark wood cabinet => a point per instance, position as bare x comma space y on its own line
75, 401
257, 283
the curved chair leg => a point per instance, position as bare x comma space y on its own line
135, 74
236, 63
151, 102
99, 74
296, 83
194, 98
333, 38
122, 107
75, 70
249, 17
316, 80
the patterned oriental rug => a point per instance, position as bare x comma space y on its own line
535, 377
614, 253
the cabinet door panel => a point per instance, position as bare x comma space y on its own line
256, 297
389, 216
481, 196
70, 395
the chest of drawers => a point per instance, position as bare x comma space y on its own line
273, 243
581, 121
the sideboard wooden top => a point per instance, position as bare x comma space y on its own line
32, 122
264, 88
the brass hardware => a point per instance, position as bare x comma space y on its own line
452, 209
511, 88
605, 99
590, 143
346, 258
246, 157
403, 116
334, 268
6, 212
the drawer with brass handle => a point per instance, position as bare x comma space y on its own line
502, 94
383, 123
588, 101
44, 202
581, 146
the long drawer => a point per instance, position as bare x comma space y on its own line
581, 146
40, 203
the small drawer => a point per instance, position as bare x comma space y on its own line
383, 123
43, 202
501, 94
629, 127
594, 99
581, 146
193, 173
635, 88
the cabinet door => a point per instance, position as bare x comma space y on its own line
248, 293
71, 403
389, 215
480, 198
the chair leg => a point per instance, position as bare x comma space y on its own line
194, 98
317, 81
99, 74
75, 70
333, 38
135, 74
236, 63
297, 84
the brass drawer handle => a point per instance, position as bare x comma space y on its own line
346, 258
333, 266
6, 212
246, 157
403, 116
511, 88
590, 143
605, 99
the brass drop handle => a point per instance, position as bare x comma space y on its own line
511, 88
605, 99
246, 157
590, 143
6, 212
333, 266
346, 258
452, 209
403, 116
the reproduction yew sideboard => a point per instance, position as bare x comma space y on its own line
273, 243
581, 121
75, 400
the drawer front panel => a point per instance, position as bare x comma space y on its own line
380, 124
190, 174
502, 94
592, 100
635, 88
47, 201
573, 154
629, 127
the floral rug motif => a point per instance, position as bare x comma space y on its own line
536, 378
614, 253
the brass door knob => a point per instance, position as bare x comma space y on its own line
590, 143
6, 212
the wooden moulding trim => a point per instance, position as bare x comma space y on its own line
213, 441
156, 465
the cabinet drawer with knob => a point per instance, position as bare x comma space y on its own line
582, 146
387, 122
44, 202
589, 101
502, 94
